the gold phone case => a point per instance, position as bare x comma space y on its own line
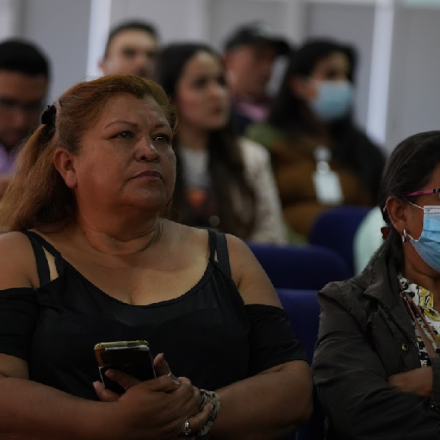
102, 347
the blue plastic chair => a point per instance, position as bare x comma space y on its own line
300, 267
335, 229
303, 310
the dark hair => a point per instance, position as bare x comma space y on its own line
128, 26
253, 33
287, 108
23, 57
225, 163
38, 196
409, 168
290, 114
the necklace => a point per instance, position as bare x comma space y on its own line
91, 249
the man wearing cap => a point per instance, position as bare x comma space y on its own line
249, 55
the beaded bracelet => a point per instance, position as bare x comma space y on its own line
212, 398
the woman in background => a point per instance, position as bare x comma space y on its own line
320, 158
223, 181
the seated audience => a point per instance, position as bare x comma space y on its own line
320, 158
249, 56
376, 364
24, 80
224, 181
132, 48
89, 257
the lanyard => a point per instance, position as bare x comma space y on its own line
412, 307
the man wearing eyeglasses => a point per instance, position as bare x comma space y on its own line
24, 79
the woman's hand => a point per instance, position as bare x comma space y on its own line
126, 381
157, 408
418, 381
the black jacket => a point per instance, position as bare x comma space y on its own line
365, 336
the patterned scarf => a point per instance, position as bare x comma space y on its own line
424, 300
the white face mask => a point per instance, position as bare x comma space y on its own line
334, 100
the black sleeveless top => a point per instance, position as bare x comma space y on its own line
207, 334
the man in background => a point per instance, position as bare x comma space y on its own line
131, 48
24, 80
249, 55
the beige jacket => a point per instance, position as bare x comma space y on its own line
269, 226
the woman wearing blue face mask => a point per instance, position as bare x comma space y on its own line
376, 364
320, 158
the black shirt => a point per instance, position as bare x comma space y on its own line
207, 334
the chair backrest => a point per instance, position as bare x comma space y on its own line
300, 267
303, 310
336, 228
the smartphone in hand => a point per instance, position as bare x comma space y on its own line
131, 357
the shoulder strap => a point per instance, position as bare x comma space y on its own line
219, 246
40, 257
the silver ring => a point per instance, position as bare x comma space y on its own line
186, 429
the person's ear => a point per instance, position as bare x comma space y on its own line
397, 212
302, 87
65, 165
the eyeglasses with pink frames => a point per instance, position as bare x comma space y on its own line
419, 193
423, 192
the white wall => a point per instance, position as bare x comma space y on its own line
174, 18
210, 20
325, 20
10, 18
415, 74
61, 29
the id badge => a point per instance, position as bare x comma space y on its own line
328, 188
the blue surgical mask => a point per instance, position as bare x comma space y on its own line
334, 100
428, 245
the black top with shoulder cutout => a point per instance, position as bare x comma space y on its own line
207, 334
